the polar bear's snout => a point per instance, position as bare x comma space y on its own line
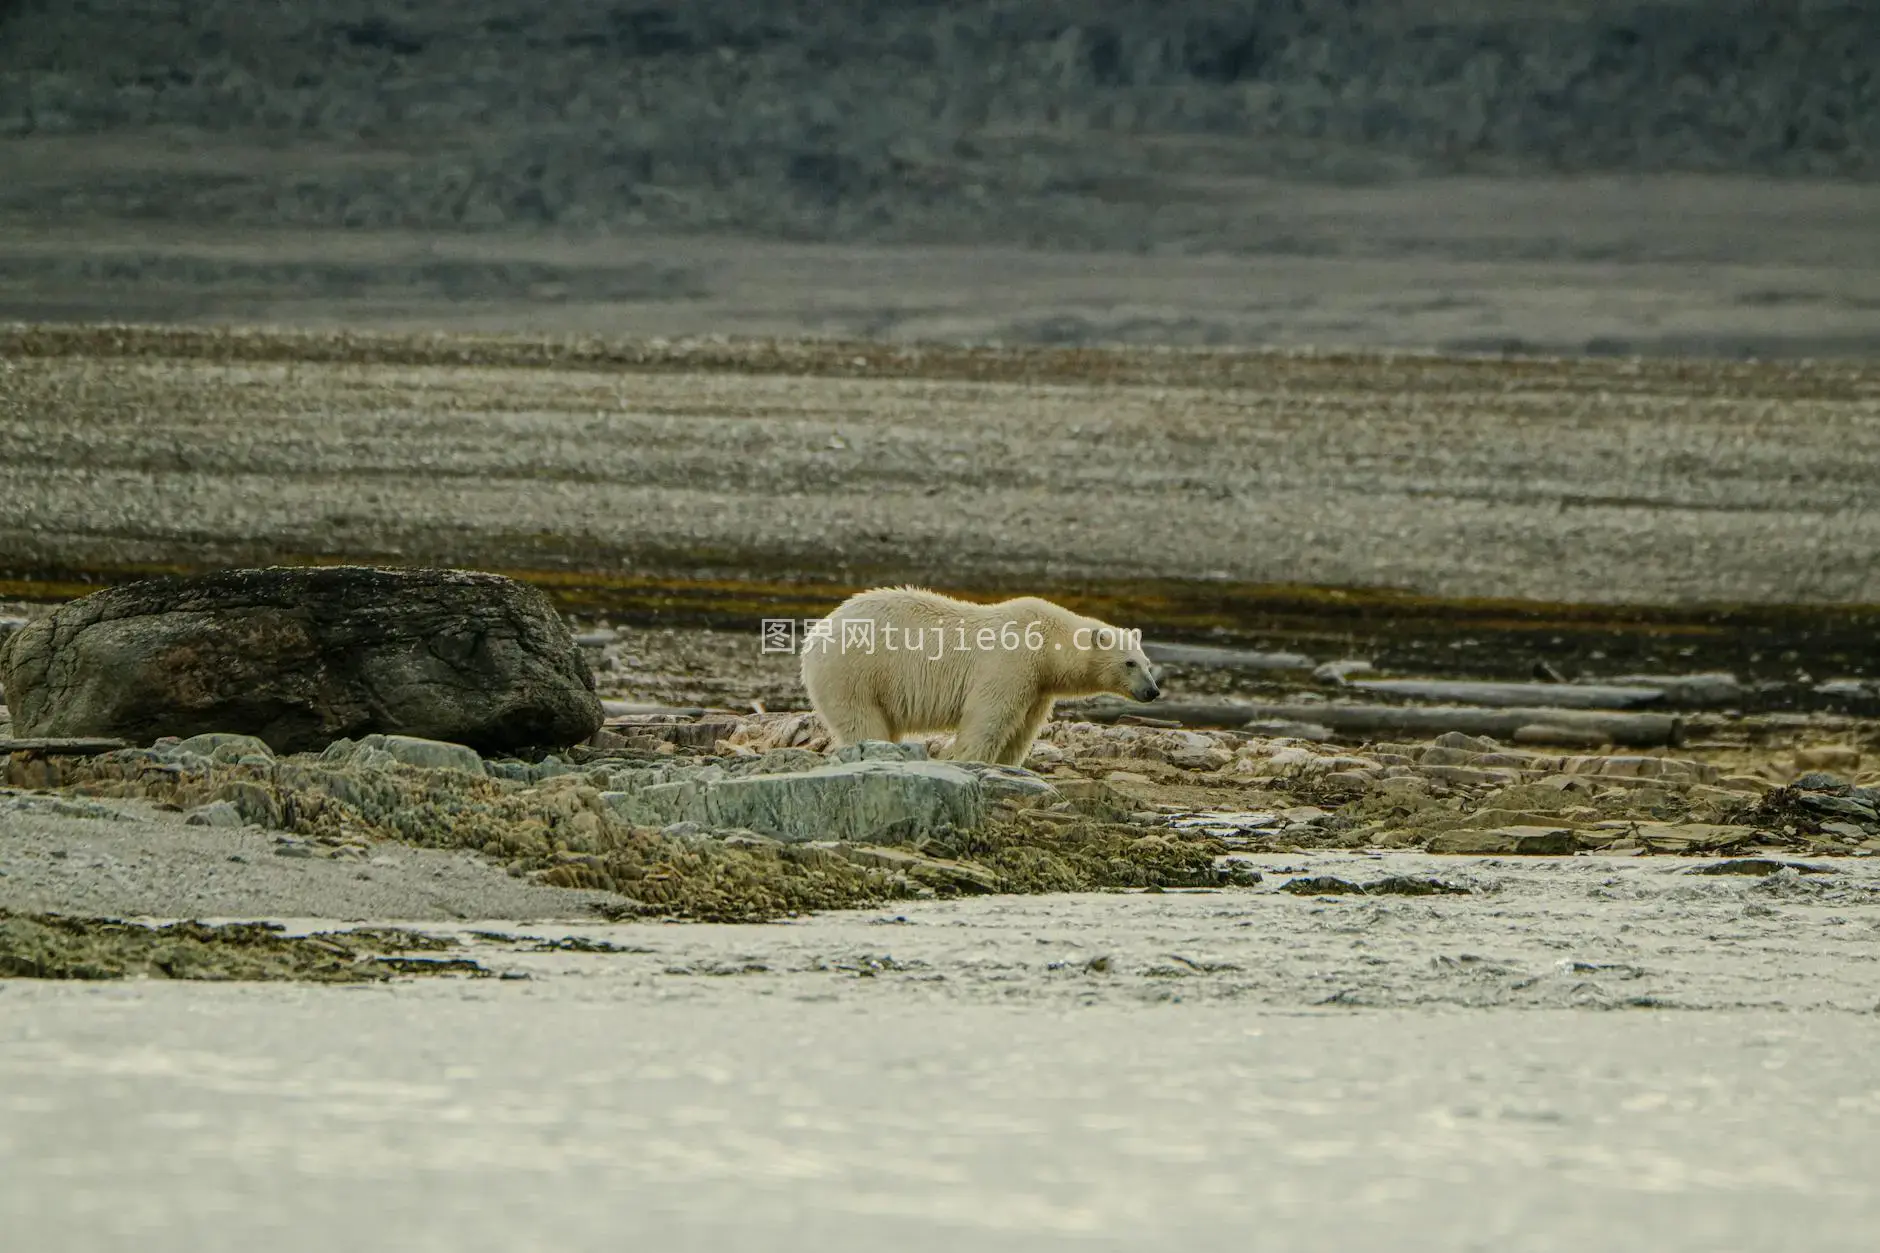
1142, 681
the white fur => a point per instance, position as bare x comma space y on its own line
940, 675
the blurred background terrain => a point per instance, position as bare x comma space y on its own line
1603, 176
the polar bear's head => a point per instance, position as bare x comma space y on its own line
1115, 661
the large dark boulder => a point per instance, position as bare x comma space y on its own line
303, 656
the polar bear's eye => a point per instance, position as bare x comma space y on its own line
1129, 665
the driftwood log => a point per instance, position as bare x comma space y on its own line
1224, 658
52, 746
1514, 695
1525, 725
1692, 691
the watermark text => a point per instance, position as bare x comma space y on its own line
867, 636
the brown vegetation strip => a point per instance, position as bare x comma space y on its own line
1167, 609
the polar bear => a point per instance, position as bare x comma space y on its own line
904, 660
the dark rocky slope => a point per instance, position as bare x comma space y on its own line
1044, 121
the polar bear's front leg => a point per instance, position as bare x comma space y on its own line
994, 726
983, 732
1017, 746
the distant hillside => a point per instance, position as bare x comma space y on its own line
1030, 120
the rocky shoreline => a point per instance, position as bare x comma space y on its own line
728, 812
752, 821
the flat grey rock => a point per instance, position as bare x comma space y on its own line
862, 801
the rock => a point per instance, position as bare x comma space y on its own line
527, 772
783, 761
411, 751
1341, 670
870, 802
300, 657
1013, 785
864, 802
224, 747
1045, 753
1833, 757
61, 807
1756, 866
1279, 728
1209, 758
703, 734
1689, 837
1718, 798
1839, 806
1094, 798
1390, 885
962, 876
1523, 840
1320, 885
252, 802
215, 814
1565, 737
1489, 818
1468, 776
1225, 823
880, 750
769, 731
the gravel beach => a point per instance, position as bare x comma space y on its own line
1554, 481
